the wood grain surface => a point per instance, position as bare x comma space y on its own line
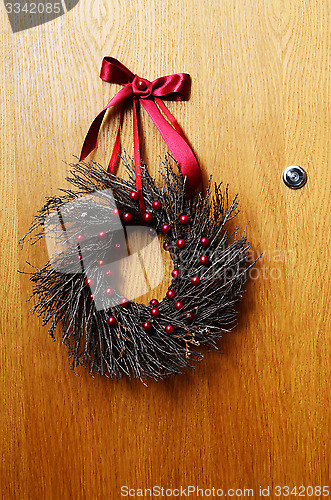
258, 414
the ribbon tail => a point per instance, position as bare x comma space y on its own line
91, 138
171, 118
137, 156
177, 145
117, 146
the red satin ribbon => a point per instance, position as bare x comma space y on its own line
150, 94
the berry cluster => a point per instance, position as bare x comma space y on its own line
147, 218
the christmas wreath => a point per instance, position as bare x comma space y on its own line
87, 229
164, 337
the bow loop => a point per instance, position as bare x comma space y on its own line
113, 71
173, 87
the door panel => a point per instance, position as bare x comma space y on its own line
256, 415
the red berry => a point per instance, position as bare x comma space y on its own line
147, 326
116, 211
79, 238
179, 305
204, 241
170, 294
155, 312
141, 85
118, 246
134, 195
79, 257
109, 292
180, 243
169, 329
127, 217
157, 205
111, 321
124, 302
195, 280
204, 259
89, 282
165, 228
165, 246
154, 302
189, 316
91, 296
102, 235
101, 263
175, 273
183, 219
147, 217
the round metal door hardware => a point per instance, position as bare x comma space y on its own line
294, 177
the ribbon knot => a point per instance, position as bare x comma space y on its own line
151, 95
141, 87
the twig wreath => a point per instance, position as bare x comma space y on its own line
124, 337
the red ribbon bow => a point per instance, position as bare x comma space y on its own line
150, 94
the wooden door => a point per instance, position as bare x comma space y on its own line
256, 416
